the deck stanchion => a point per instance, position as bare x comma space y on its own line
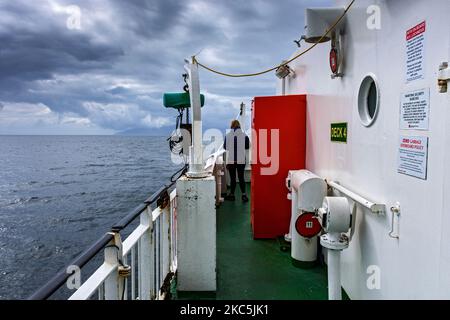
114, 284
145, 258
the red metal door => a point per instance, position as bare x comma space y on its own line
270, 208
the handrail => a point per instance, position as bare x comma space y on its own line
129, 218
61, 277
150, 247
374, 207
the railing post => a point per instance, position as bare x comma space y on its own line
114, 284
145, 257
165, 219
173, 231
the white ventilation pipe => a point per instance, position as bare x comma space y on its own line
307, 194
334, 275
336, 221
283, 86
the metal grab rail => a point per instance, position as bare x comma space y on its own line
161, 196
61, 277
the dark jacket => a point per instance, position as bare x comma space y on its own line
236, 142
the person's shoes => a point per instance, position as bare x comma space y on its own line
244, 198
230, 197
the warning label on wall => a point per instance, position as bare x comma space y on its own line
415, 110
413, 156
415, 52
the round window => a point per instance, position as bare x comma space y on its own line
368, 100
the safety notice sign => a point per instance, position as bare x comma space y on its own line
413, 156
415, 110
415, 52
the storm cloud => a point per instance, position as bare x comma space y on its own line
102, 66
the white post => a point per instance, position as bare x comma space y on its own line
294, 208
173, 231
248, 153
114, 284
145, 257
243, 117
196, 215
334, 275
165, 220
196, 166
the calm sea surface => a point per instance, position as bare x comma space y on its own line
58, 194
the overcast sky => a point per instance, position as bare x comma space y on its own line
106, 72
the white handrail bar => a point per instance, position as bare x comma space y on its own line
376, 208
87, 290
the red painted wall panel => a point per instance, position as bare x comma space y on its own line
270, 208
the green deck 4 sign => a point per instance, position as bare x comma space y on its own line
339, 132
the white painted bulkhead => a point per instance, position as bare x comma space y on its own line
416, 266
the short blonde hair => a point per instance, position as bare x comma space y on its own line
235, 124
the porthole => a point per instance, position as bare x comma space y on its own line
368, 100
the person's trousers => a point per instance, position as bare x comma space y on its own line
240, 170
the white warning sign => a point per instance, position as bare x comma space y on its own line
415, 110
415, 52
413, 156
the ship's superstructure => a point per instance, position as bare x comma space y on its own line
391, 100
369, 201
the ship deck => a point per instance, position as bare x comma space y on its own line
249, 269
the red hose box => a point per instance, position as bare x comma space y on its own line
278, 145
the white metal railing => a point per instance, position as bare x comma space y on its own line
142, 266
139, 267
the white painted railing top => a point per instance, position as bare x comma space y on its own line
140, 266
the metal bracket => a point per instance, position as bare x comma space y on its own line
443, 77
334, 243
299, 42
164, 200
186, 86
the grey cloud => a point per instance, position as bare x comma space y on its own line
150, 19
129, 52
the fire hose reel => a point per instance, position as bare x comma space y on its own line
307, 192
307, 225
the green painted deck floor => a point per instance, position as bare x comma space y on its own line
257, 269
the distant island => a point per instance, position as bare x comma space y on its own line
164, 131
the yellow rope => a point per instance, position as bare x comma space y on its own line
194, 59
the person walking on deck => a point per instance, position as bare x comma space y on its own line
236, 143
